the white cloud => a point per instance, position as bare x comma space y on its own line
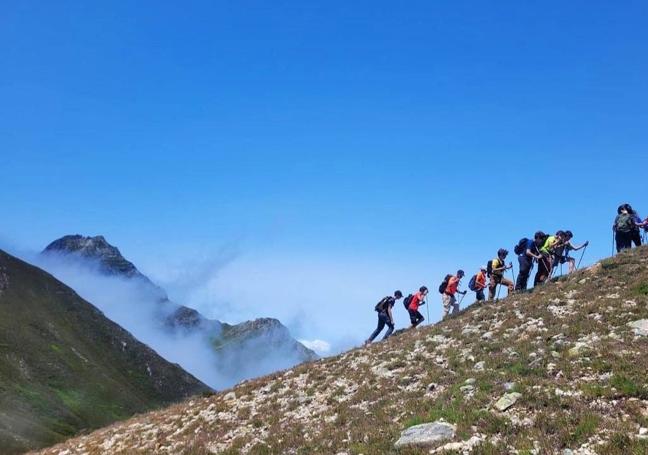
321, 347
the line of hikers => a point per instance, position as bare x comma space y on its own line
549, 251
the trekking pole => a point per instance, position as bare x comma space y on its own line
513, 273
581, 258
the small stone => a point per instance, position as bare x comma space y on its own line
426, 435
555, 354
508, 386
470, 381
467, 389
567, 452
479, 366
230, 397
487, 336
640, 327
578, 349
507, 401
431, 387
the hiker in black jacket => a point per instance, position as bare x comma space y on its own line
385, 317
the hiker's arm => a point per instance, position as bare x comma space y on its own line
535, 256
576, 248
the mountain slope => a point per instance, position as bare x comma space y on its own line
241, 351
65, 367
570, 367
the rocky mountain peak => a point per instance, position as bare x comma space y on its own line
96, 248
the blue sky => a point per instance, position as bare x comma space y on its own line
343, 144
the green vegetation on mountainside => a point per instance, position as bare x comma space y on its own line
64, 367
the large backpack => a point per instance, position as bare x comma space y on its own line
382, 305
444, 284
624, 223
406, 301
472, 284
520, 248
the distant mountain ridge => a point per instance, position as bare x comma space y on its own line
257, 339
65, 367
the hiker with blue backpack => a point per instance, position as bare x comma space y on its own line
528, 250
478, 283
385, 317
495, 270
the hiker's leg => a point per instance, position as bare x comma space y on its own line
480, 295
381, 325
492, 287
390, 329
508, 283
455, 305
571, 265
446, 305
636, 237
420, 317
525, 270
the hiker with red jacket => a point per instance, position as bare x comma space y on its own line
448, 293
385, 317
415, 302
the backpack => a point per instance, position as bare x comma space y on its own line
624, 223
382, 305
472, 284
444, 284
520, 248
407, 300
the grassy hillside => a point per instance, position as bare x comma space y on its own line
64, 367
566, 352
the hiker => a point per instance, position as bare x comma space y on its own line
478, 283
449, 291
545, 264
497, 269
623, 228
561, 254
528, 250
415, 302
385, 317
638, 224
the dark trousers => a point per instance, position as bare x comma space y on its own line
623, 241
544, 269
415, 317
636, 237
480, 295
383, 319
526, 265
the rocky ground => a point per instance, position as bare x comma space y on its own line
560, 370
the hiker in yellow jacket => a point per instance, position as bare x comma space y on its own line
497, 269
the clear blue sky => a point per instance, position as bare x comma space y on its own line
420, 136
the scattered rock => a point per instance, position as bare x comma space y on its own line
640, 327
507, 401
470, 381
487, 336
508, 386
431, 387
479, 366
426, 435
578, 349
